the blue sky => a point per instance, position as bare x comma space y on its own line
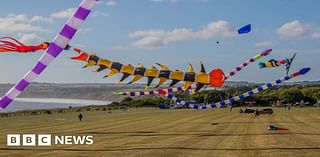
172, 32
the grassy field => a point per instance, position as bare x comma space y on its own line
165, 133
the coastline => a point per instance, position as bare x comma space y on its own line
32, 104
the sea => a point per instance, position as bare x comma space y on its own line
48, 103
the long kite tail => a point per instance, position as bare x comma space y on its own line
7, 46
15, 40
151, 92
55, 48
180, 89
247, 62
223, 103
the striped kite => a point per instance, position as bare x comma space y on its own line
58, 44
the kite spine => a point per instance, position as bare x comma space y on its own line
55, 48
223, 103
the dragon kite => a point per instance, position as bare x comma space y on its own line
215, 78
180, 89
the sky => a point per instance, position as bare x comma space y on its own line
171, 32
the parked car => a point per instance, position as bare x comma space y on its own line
247, 110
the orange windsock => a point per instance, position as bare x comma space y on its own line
83, 56
217, 78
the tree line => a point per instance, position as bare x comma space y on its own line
283, 94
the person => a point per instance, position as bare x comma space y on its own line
257, 112
80, 117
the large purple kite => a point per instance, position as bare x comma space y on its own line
55, 48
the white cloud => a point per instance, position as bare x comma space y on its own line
17, 24
292, 29
158, 38
41, 19
30, 38
315, 35
15, 18
63, 14
56, 15
298, 29
263, 44
111, 3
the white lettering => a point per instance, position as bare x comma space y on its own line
44, 140
79, 139
59, 140
13, 140
28, 139
68, 139
89, 140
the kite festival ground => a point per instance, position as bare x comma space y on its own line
165, 133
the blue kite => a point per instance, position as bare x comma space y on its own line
244, 29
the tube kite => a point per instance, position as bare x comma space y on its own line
231, 100
276, 63
17, 46
180, 89
54, 49
275, 128
215, 78
9, 44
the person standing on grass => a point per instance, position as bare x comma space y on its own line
80, 116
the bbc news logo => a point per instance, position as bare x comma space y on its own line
46, 140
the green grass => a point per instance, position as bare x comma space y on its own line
165, 133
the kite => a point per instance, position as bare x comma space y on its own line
55, 48
272, 127
17, 46
215, 78
223, 103
13, 45
276, 63
244, 29
180, 89
273, 63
